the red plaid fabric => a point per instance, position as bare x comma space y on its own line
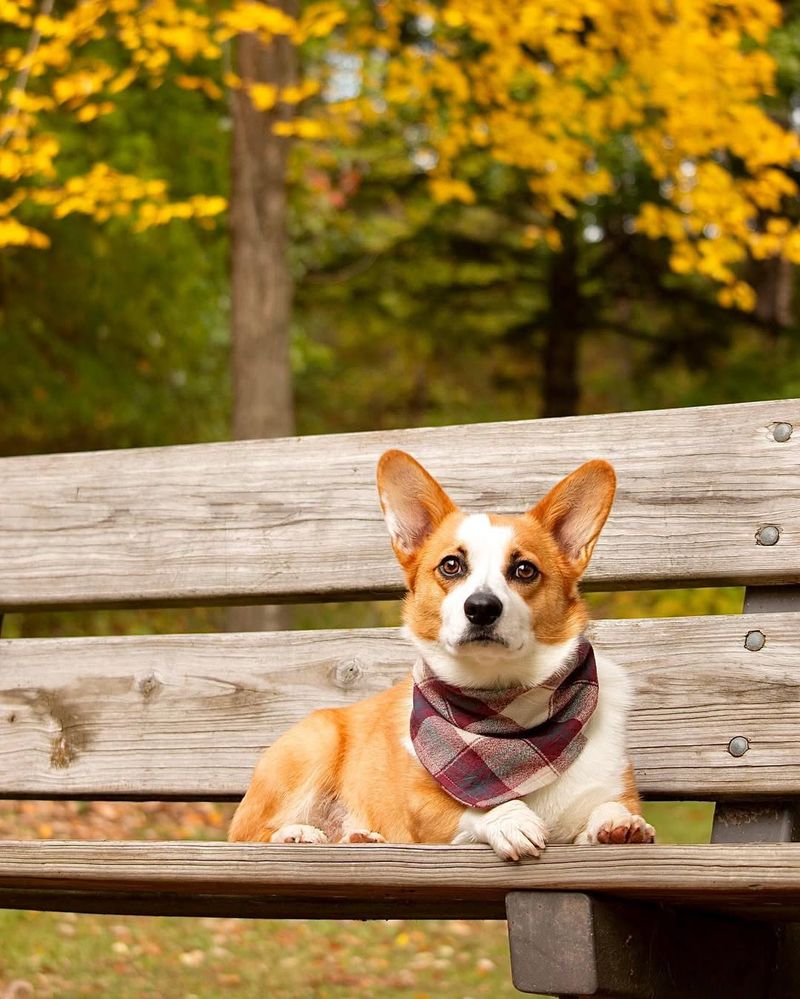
489, 746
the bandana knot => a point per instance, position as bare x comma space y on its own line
485, 747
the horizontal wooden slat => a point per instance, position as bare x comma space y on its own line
715, 877
186, 716
298, 519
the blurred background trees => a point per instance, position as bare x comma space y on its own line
439, 212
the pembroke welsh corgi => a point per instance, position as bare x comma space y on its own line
510, 729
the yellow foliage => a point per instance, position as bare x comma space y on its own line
319, 20
203, 206
302, 128
299, 93
14, 233
738, 295
445, 189
545, 89
263, 95
256, 17
203, 83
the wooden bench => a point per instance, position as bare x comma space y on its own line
707, 496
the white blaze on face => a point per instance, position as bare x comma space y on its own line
488, 547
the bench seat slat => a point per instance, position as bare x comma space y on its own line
298, 519
716, 877
186, 716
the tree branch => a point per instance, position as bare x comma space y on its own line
21, 81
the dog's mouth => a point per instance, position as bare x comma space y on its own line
482, 636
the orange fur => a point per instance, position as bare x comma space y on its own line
630, 796
345, 767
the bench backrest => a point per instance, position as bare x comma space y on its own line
706, 496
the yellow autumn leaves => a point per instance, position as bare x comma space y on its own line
574, 94
76, 61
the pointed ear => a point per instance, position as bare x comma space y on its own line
576, 509
413, 502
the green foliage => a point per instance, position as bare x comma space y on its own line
114, 338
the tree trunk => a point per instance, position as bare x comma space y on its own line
261, 284
774, 284
565, 324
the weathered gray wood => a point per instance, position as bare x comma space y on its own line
714, 877
756, 822
297, 519
572, 944
187, 715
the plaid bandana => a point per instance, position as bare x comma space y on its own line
489, 746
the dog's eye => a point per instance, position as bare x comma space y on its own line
525, 571
451, 566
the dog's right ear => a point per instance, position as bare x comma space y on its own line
413, 503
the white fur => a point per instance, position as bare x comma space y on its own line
565, 806
393, 525
512, 830
298, 833
487, 547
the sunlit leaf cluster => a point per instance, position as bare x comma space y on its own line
72, 63
548, 88
580, 97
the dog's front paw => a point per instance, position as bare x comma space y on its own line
613, 823
362, 836
298, 834
513, 831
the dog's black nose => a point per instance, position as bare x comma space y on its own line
482, 607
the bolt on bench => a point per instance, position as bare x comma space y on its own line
707, 496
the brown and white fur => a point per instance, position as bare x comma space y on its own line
351, 774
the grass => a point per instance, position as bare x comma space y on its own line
138, 957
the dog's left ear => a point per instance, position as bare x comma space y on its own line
575, 510
413, 503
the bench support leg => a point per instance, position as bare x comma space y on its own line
572, 944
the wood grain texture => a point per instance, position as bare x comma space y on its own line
756, 877
186, 716
298, 519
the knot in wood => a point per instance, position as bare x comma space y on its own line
62, 752
348, 673
148, 684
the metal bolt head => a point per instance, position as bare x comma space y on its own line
754, 641
781, 432
738, 746
768, 535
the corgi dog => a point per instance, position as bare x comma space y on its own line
510, 730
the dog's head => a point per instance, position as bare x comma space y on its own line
493, 599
